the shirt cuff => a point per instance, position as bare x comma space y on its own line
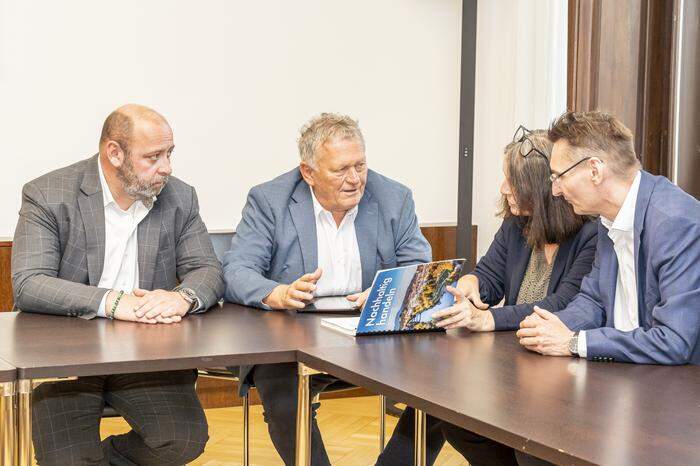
582, 349
198, 307
101, 310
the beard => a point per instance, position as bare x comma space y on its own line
137, 188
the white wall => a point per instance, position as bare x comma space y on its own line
520, 79
236, 79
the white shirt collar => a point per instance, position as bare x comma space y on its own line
319, 210
624, 221
107, 197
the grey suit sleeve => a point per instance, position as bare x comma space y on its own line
248, 261
36, 257
197, 265
411, 246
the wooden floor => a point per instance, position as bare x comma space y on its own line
349, 427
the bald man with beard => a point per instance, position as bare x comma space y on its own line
116, 236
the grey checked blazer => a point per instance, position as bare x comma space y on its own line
59, 244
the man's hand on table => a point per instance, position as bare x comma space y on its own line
544, 333
359, 298
295, 295
148, 307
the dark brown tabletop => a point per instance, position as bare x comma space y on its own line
565, 410
8, 373
43, 346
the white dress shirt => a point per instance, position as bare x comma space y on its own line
621, 232
338, 253
121, 265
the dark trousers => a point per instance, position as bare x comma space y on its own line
277, 387
399, 450
167, 421
478, 450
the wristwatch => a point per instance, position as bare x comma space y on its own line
573, 344
189, 296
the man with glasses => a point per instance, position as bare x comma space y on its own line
321, 229
641, 301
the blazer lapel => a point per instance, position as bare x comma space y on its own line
559, 265
646, 186
302, 212
148, 235
366, 230
91, 206
519, 267
607, 276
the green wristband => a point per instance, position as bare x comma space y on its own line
116, 303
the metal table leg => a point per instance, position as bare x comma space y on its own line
25, 452
246, 429
419, 446
382, 422
8, 423
303, 443
24, 422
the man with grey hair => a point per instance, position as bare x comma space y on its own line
116, 236
321, 229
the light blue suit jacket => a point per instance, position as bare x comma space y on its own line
275, 241
667, 260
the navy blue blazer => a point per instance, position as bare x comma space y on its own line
502, 269
667, 261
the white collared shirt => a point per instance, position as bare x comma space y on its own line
621, 232
121, 265
338, 252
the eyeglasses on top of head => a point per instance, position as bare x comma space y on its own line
521, 133
527, 147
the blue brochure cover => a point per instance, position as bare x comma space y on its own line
404, 299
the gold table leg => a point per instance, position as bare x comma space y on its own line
25, 452
24, 422
8, 423
382, 422
303, 443
246, 429
419, 446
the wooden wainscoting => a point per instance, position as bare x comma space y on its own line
5, 275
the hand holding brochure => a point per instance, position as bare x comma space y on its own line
403, 299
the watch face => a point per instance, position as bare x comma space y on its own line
573, 344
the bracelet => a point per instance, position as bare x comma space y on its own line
116, 303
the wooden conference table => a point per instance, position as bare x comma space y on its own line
564, 410
45, 348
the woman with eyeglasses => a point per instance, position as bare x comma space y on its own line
538, 257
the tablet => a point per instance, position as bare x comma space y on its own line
331, 305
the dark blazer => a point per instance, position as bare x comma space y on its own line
502, 269
667, 258
59, 244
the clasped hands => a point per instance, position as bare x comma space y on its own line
543, 332
300, 292
149, 307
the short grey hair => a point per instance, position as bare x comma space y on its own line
325, 127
